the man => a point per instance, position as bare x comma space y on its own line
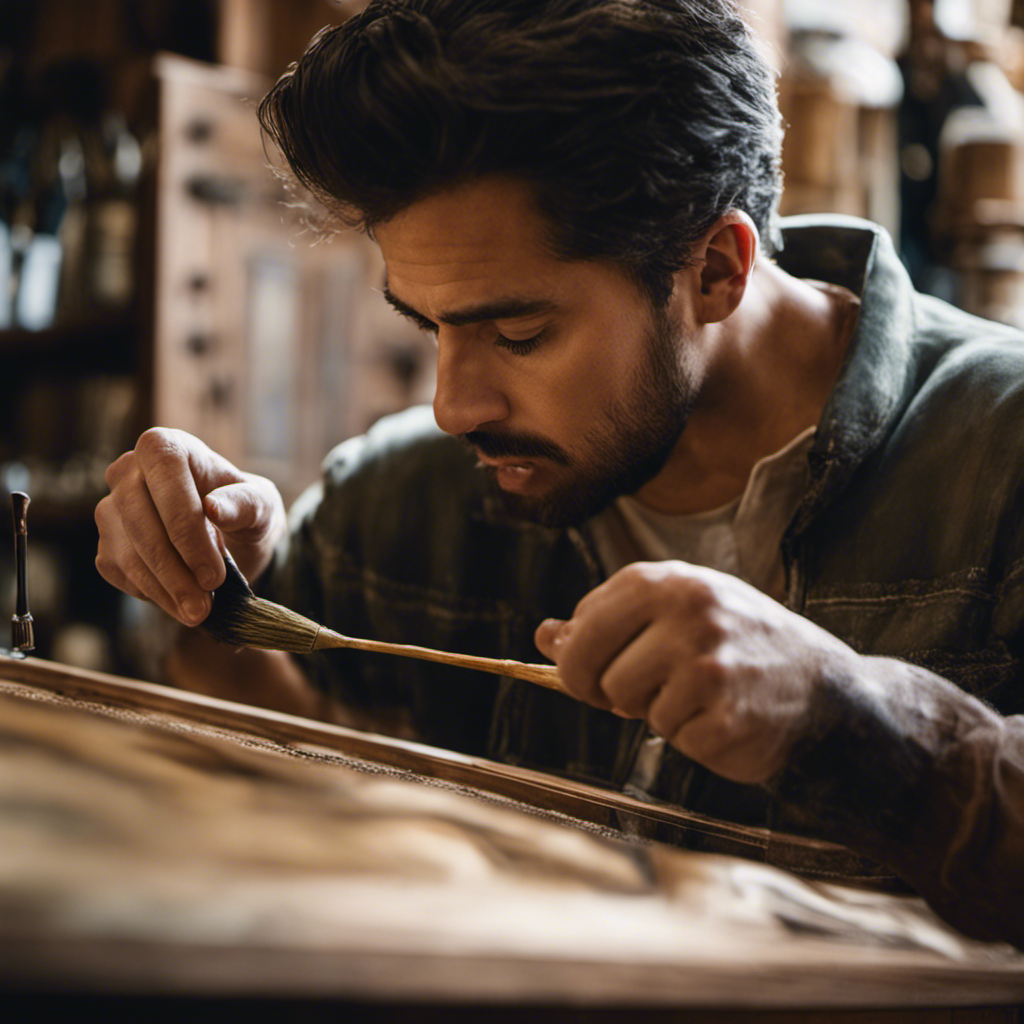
766, 510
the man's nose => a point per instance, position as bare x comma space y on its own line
467, 394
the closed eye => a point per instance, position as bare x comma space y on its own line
518, 346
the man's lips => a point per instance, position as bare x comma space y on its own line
514, 449
510, 474
506, 463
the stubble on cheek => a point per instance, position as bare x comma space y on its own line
623, 447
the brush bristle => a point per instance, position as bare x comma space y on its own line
242, 619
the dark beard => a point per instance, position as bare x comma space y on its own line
629, 448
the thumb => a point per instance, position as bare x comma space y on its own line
239, 509
550, 635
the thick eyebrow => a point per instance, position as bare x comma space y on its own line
498, 309
408, 312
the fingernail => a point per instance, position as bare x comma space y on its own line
194, 610
207, 577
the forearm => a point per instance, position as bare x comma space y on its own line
904, 767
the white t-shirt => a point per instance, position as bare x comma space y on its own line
742, 538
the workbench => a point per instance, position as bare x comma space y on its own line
163, 847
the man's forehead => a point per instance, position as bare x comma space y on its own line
476, 252
486, 219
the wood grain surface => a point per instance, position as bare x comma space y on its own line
161, 843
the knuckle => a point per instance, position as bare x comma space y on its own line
698, 595
574, 680
181, 524
639, 579
579, 681
102, 514
710, 634
627, 691
710, 673
125, 490
111, 571
161, 563
634, 573
106, 567
117, 469
715, 735
159, 443
662, 721
629, 703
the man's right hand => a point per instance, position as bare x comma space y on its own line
173, 506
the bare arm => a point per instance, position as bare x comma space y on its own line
925, 778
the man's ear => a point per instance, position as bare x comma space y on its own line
727, 253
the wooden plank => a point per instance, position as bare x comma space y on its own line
607, 808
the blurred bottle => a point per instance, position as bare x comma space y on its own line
74, 230
13, 176
37, 247
112, 216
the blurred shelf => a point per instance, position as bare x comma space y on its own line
84, 329
49, 515
94, 343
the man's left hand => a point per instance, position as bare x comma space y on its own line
719, 669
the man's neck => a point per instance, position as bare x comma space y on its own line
773, 365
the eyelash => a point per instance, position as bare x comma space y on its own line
518, 346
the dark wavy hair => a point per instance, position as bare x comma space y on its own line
638, 123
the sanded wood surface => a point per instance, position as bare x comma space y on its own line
645, 819
163, 843
641, 818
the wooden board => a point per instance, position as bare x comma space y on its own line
159, 842
643, 819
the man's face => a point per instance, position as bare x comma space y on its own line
571, 389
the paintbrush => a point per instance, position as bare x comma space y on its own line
242, 619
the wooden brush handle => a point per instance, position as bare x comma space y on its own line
543, 675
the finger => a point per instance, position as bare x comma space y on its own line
240, 509
166, 468
550, 635
119, 565
612, 617
116, 471
638, 672
679, 702
148, 587
149, 542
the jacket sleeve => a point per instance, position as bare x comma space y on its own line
908, 769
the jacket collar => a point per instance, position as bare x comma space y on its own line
876, 380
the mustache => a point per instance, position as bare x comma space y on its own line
513, 444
